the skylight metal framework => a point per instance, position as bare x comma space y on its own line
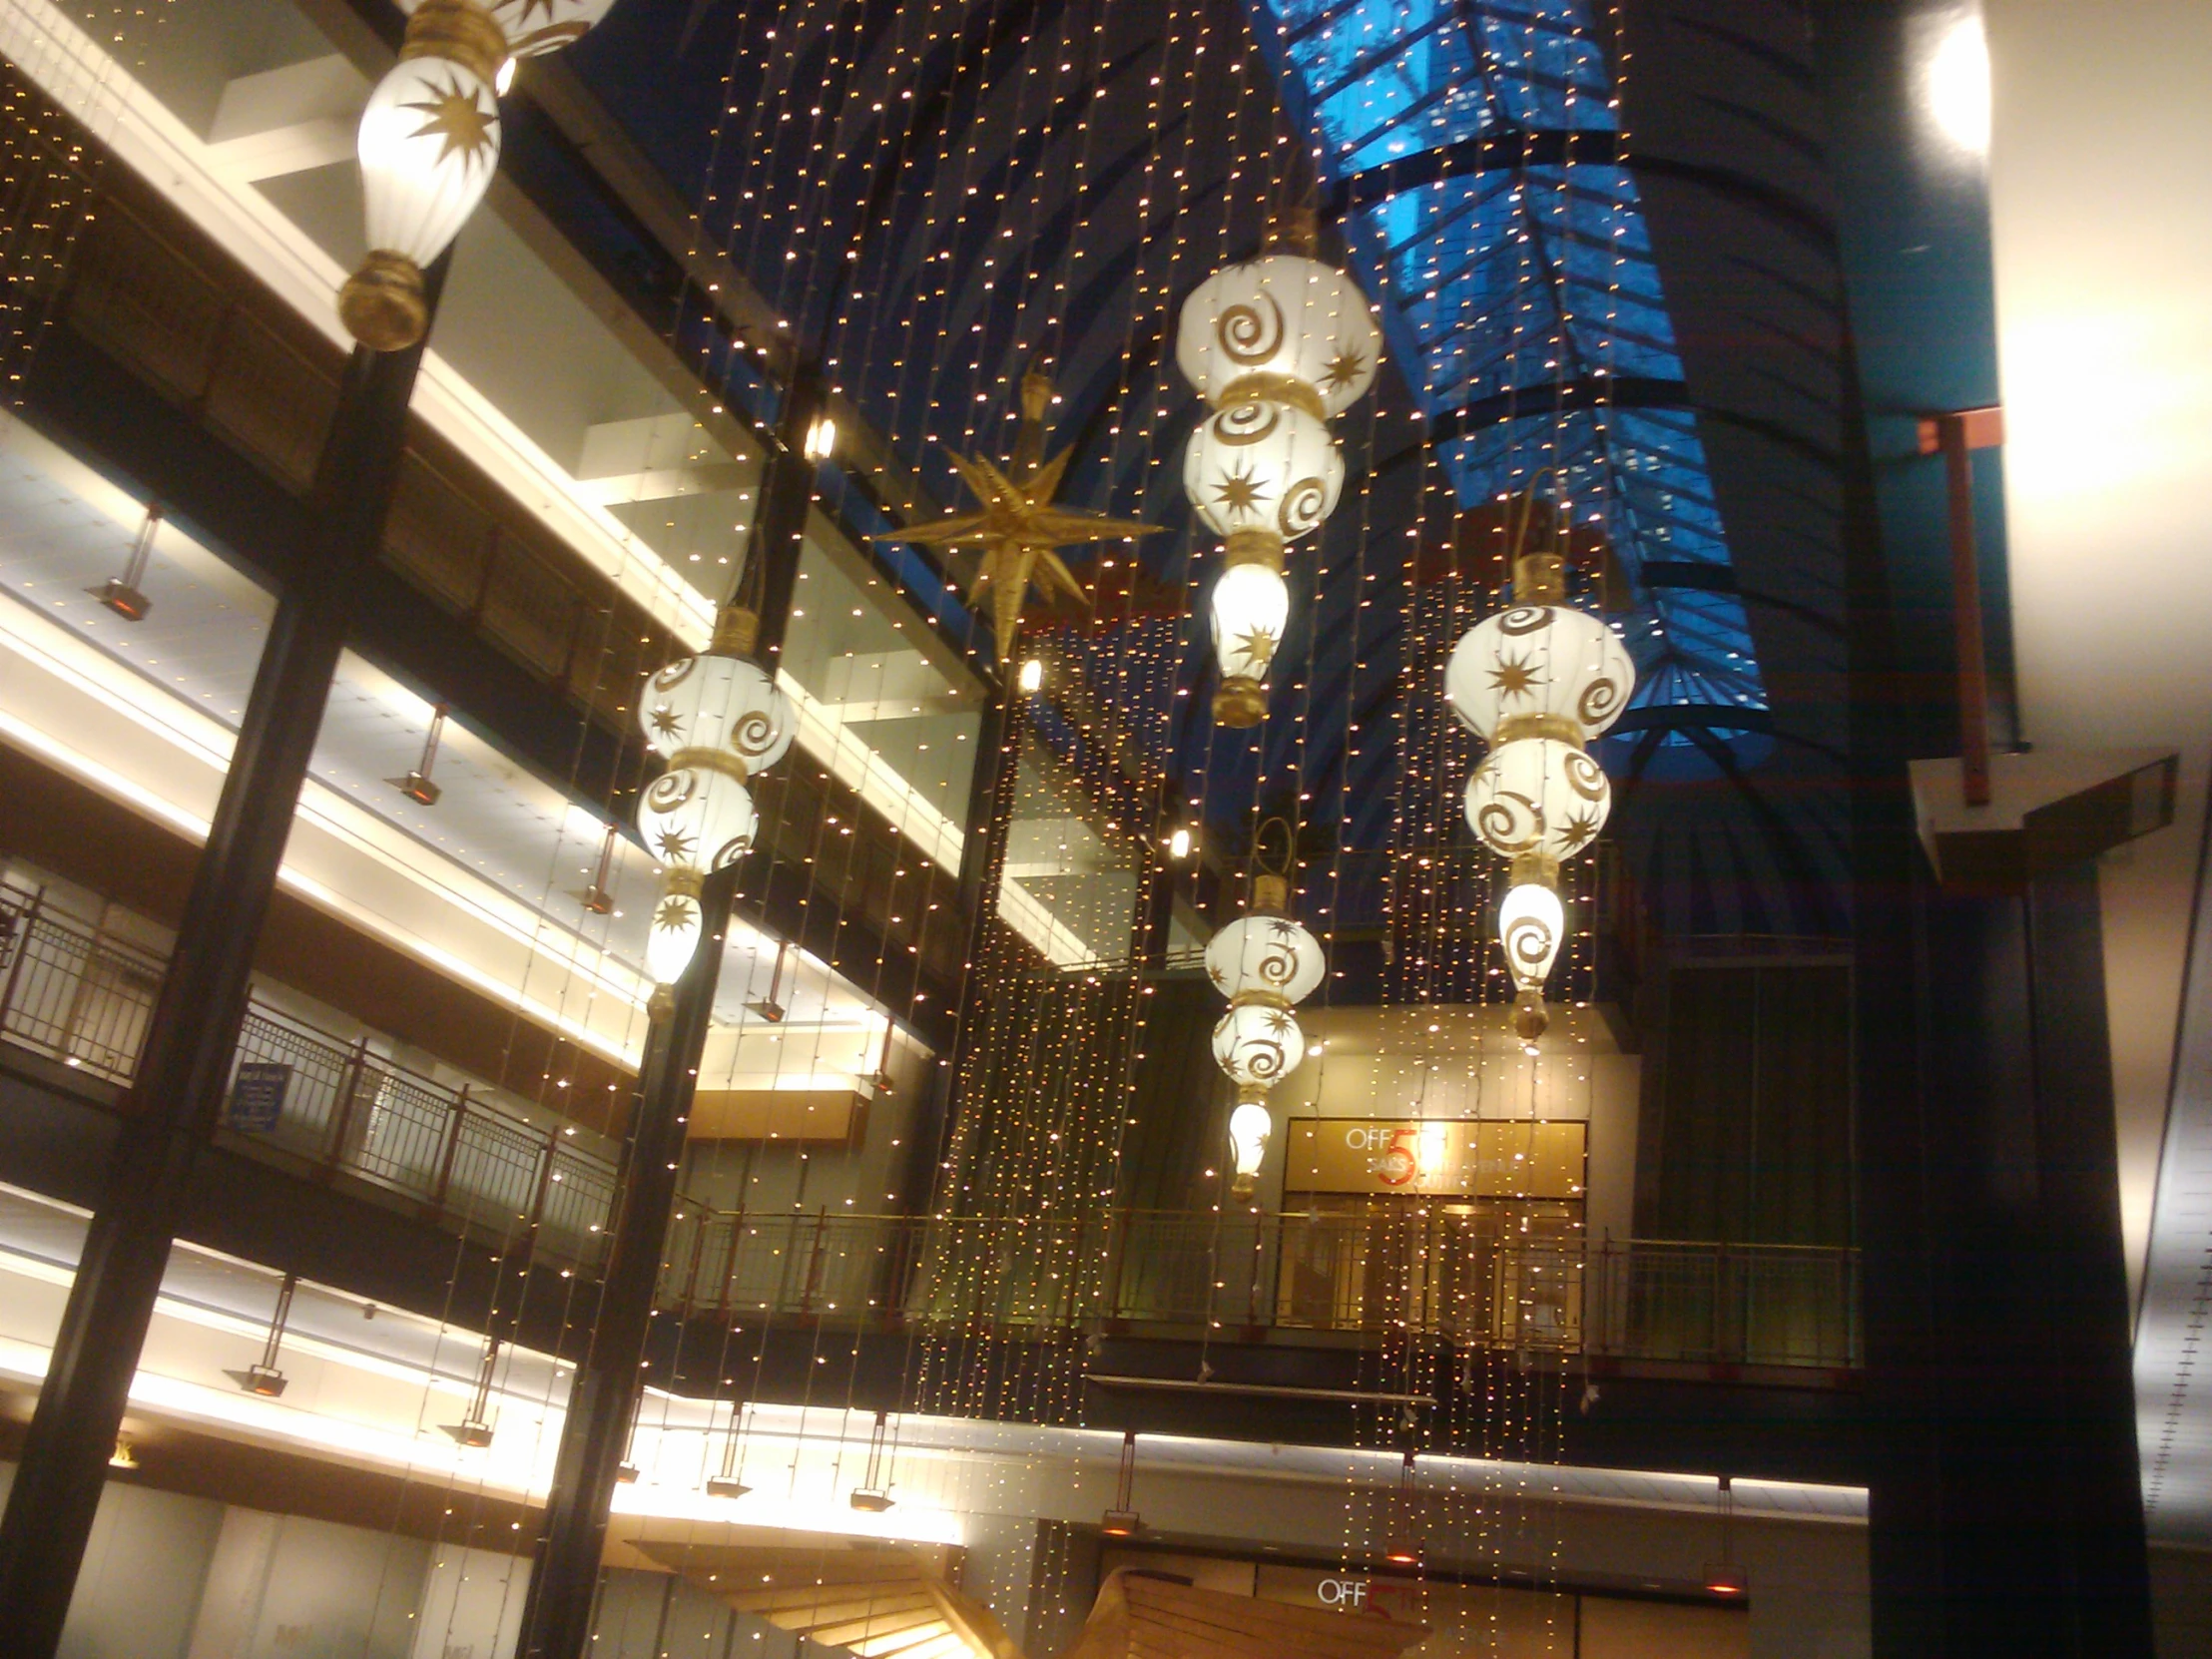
1473, 151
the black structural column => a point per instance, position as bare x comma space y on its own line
556, 1619
172, 1106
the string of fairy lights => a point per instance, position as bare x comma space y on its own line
979, 132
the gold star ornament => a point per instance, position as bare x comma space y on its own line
1019, 527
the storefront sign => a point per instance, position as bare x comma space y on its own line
1445, 1159
257, 1103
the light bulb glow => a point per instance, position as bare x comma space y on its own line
673, 938
1531, 923
1251, 606
1249, 1128
1032, 676
429, 144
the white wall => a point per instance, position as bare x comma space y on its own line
286, 1587
2102, 231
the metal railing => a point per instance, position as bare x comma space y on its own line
82, 996
1440, 1275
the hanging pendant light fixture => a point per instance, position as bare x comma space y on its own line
429, 144
1538, 681
718, 720
1277, 346
1265, 964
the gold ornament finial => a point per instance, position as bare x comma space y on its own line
1539, 579
1020, 526
736, 631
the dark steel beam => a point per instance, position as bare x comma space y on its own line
595, 1434
192, 1031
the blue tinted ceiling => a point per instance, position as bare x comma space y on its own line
1474, 152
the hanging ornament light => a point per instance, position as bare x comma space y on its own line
1265, 964
1538, 681
718, 721
536, 27
429, 144
1277, 346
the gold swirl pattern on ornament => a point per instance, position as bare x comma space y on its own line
755, 733
1527, 943
1248, 334
1243, 424
1305, 504
1261, 1058
675, 674
1498, 822
1277, 965
1525, 619
1598, 701
673, 789
1584, 776
736, 848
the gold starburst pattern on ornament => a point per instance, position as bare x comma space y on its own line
672, 847
1020, 526
1344, 367
1581, 828
665, 722
673, 913
1513, 676
453, 115
1257, 644
1237, 493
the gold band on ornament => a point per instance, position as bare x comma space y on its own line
737, 632
1261, 999
1270, 389
382, 305
1271, 896
683, 880
1558, 728
1241, 702
710, 759
1253, 1094
459, 31
1535, 869
1255, 547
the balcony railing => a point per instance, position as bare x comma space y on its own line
1707, 1305
83, 997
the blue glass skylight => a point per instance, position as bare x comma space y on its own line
1473, 153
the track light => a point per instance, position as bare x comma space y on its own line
1122, 1520
873, 1494
1724, 1578
1405, 1545
263, 1378
416, 786
599, 897
725, 1485
475, 1429
122, 594
767, 1007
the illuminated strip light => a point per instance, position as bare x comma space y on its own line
98, 92
518, 1465
80, 669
